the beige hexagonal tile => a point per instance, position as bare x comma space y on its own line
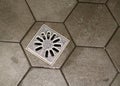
44, 77
15, 20
60, 28
51, 10
94, 1
13, 64
89, 67
114, 49
91, 25
114, 6
116, 82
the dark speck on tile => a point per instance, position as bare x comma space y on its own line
14, 59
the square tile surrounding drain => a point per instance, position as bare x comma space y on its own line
47, 44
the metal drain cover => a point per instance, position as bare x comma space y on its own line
47, 44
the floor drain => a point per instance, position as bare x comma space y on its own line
47, 44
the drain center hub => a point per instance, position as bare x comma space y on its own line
47, 44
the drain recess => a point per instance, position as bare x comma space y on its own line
47, 44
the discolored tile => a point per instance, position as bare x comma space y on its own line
95, 1
51, 10
89, 67
91, 25
114, 6
35, 61
13, 64
44, 77
116, 82
15, 20
114, 49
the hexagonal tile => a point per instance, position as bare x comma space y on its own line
89, 67
60, 29
91, 25
51, 10
114, 49
95, 1
13, 64
116, 81
114, 6
15, 20
44, 77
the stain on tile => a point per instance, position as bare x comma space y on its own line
14, 59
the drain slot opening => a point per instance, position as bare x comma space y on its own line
37, 43
57, 45
48, 35
46, 53
51, 52
56, 40
39, 48
43, 35
53, 36
55, 49
39, 39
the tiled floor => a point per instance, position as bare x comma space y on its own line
91, 58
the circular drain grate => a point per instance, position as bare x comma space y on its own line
49, 42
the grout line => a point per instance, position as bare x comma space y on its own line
19, 83
106, 1
77, 1
112, 61
111, 37
25, 55
90, 47
90, 2
27, 31
9, 42
112, 15
67, 58
114, 78
70, 35
70, 12
30, 10
49, 21
64, 77
45, 68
